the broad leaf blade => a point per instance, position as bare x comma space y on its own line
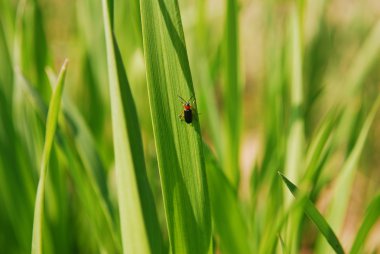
312, 212
178, 145
139, 223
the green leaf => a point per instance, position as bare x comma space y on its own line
90, 183
295, 146
311, 211
319, 148
51, 124
370, 218
296, 139
364, 61
270, 237
139, 224
178, 145
344, 182
232, 93
31, 51
228, 219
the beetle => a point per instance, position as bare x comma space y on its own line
188, 112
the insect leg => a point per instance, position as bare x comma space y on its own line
181, 116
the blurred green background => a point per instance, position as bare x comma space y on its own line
286, 86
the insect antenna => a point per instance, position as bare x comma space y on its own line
182, 99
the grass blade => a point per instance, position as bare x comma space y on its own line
319, 148
270, 239
317, 218
90, 183
139, 223
371, 217
364, 61
346, 177
51, 124
227, 216
232, 93
178, 145
340, 200
296, 138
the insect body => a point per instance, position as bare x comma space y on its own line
187, 113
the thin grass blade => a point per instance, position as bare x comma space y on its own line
371, 217
232, 93
345, 179
339, 202
51, 124
311, 211
319, 149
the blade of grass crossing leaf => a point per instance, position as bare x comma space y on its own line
178, 145
51, 124
371, 217
317, 218
139, 223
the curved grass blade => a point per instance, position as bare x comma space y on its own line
178, 145
91, 182
51, 124
371, 217
317, 218
139, 224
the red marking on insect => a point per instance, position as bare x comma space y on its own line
188, 112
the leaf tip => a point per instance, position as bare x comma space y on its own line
65, 63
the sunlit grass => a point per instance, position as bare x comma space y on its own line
108, 166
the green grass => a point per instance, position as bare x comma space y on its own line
317, 218
178, 145
140, 232
285, 94
51, 125
371, 216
